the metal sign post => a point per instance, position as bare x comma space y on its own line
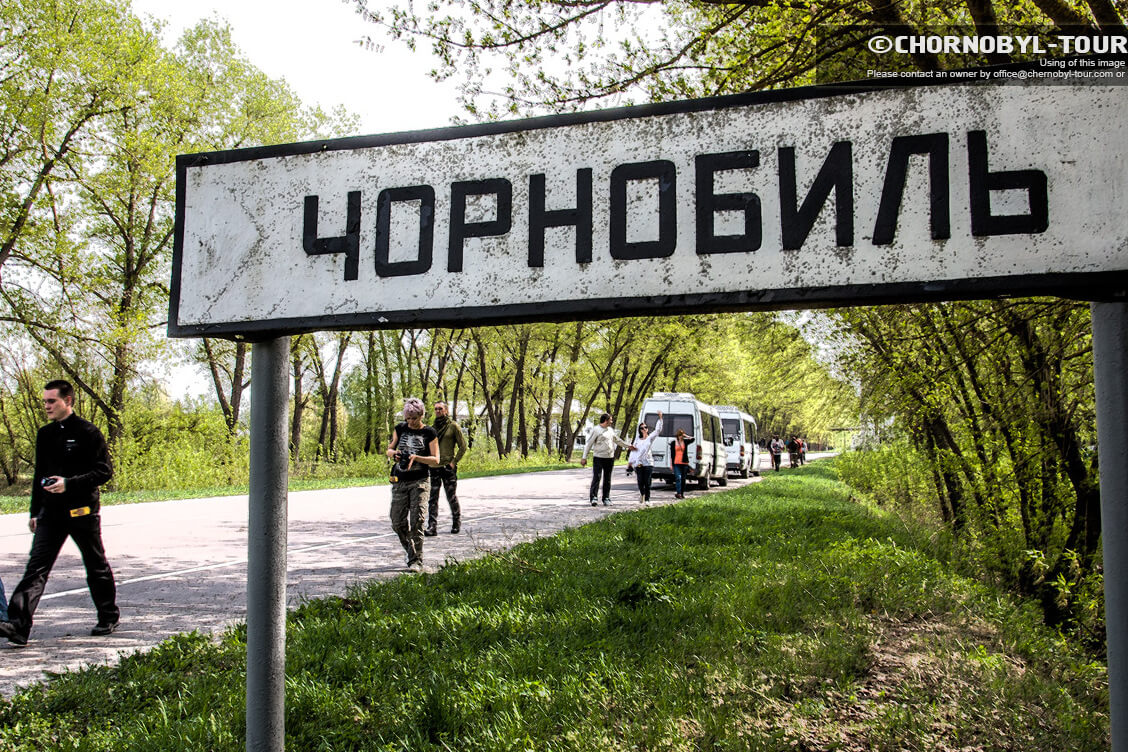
266, 547
1110, 364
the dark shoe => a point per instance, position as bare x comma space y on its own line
455, 527
594, 502
9, 631
430, 531
102, 629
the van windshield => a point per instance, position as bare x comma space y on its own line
731, 428
671, 423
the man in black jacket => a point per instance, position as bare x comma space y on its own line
71, 462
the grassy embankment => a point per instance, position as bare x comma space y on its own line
784, 615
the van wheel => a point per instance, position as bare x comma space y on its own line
743, 472
723, 480
703, 483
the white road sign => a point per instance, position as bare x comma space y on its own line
799, 198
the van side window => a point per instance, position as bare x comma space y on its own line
671, 423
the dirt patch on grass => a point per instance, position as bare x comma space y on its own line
924, 689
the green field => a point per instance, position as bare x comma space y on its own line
781, 616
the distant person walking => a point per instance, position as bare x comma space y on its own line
601, 443
802, 450
452, 445
71, 462
641, 458
413, 447
776, 447
680, 451
793, 451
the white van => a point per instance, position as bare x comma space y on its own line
699, 420
739, 429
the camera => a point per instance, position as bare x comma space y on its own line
44, 482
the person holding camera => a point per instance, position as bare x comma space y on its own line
71, 462
414, 448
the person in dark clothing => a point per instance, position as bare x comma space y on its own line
793, 452
452, 445
414, 448
71, 462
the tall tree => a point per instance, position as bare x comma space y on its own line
521, 56
92, 292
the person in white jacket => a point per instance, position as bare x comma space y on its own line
601, 443
641, 458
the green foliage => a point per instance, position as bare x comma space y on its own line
523, 56
995, 403
895, 476
779, 616
177, 449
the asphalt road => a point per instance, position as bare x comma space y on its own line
181, 565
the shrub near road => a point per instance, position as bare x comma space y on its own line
779, 616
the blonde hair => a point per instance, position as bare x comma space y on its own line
413, 408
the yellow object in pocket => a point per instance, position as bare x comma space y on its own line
80, 512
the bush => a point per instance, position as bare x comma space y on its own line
178, 449
893, 476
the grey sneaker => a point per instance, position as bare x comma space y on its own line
594, 502
415, 566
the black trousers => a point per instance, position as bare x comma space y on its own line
447, 476
50, 535
642, 475
601, 466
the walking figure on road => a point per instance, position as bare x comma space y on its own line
793, 452
71, 463
601, 443
680, 450
641, 458
777, 446
452, 445
414, 447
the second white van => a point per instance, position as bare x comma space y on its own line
741, 447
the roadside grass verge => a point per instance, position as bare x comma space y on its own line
783, 615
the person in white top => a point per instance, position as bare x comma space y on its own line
641, 458
601, 443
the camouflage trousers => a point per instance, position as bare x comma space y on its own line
447, 477
407, 515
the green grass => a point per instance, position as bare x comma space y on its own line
779, 616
